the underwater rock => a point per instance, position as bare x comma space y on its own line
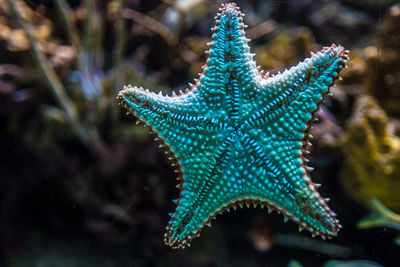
372, 155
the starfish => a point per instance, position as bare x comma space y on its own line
239, 136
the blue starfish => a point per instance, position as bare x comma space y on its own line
238, 136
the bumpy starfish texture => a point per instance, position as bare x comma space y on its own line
239, 136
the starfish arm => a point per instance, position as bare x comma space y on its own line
281, 128
242, 173
293, 96
190, 139
199, 198
286, 179
177, 120
230, 73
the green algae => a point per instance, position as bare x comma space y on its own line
381, 216
372, 155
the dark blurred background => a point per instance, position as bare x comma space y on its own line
82, 185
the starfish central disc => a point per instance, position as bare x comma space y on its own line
238, 136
